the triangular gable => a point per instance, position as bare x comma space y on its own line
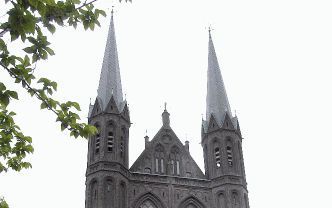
168, 139
125, 111
96, 108
227, 123
112, 106
213, 124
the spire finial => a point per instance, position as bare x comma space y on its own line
210, 29
146, 138
90, 101
165, 117
112, 12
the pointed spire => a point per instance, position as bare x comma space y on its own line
110, 80
216, 98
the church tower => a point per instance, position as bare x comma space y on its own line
222, 142
164, 175
106, 181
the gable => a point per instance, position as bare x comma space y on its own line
111, 106
165, 154
96, 109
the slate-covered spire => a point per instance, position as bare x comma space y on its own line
216, 99
110, 79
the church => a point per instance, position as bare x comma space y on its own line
164, 175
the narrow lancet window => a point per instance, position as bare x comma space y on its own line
121, 147
229, 156
157, 165
122, 141
97, 144
162, 165
159, 158
175, 160
110, 141
217, 156
177, 167
173, 167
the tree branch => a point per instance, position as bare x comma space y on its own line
5, 30
85, 4
28, 86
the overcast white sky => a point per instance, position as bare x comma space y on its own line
275, 58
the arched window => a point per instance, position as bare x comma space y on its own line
235, 199
159, 159
147, 204
217, 154
121, 146
108, 193
148, 200
222, 200
110, 137
97, 141
94, 194
175, 161
229, 152
188, 169
122, 197
246, 201
122, 141
191, 202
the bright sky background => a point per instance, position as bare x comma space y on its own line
275, 58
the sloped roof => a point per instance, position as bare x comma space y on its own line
216, 98
110, 79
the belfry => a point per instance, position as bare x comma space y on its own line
164, 175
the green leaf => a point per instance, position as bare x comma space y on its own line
43, 105
2, 87
50, 51
102, 12
51, 28
76, 105
54, 85
49, 91
63, 126
76, 1
50, 2
4, 100
92, 26
30, 49
13, 94
35, 58
13, 36
26, 61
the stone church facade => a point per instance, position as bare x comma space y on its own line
164, 175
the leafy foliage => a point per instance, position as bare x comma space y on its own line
3, 203
27, 22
